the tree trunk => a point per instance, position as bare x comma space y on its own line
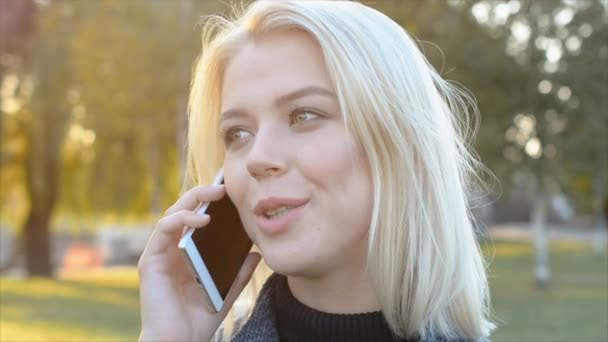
37, 243
539, 226
42, 181
47, 132
599, 196
50, 115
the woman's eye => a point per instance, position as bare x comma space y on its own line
302, 115
235, 135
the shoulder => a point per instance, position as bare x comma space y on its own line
432, 337
261, 326
443, 339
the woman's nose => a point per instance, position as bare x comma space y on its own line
267, 156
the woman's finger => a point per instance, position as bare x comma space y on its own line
195, 196
169, 229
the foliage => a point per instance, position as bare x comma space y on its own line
102, 96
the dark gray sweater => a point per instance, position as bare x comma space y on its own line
263, 326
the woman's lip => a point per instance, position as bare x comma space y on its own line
276, 225
271, 203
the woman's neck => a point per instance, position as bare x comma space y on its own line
346, 291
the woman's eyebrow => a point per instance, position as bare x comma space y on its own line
232, 113
306, 91
282, 100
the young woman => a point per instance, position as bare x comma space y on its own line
325, 115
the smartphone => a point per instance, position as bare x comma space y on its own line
217, 251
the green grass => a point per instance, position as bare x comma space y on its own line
88, 307
104, 306
573, 308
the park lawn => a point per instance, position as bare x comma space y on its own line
573, 308
103, 306
91, 306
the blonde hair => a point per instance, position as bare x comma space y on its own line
424, 262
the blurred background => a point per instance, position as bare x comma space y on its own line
92, 122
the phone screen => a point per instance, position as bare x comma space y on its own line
223, 244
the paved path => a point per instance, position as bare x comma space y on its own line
523, 231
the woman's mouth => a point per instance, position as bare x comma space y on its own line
277, 212
274, 214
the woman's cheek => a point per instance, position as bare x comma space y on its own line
324, 158
235, 187
247, 218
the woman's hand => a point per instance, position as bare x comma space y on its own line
173, 307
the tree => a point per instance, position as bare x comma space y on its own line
49, 110
519, 59
586, 142
102, 124
16, 28
543, 138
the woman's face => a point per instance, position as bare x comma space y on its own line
300, 182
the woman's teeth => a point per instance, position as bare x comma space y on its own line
277, 212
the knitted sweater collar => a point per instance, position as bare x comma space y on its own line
262, 324
296, 321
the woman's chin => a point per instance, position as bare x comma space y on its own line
288, 264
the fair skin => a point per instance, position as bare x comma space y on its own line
285, 137
172, 305
285, 140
